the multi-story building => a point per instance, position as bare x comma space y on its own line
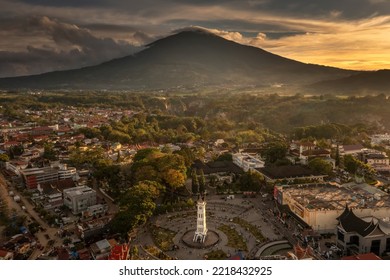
319, 205
65, 172
79, 198
34, 176
247, 161
378, 161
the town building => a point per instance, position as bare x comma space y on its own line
95, 210
34, 176
377, 160
319, 205
306, 156
120, 252
247, 161
361, 235
289, 174
362, 257
66, 172
88, 229
350, 149
101, 250
51, 193
79, 198
377, 139
16, 166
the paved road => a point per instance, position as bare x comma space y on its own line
31, 215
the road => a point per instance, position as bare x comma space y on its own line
31, 215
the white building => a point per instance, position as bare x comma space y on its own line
247, 161
380, 138
79, 199
65, 172
378, 161
94, 210
34, 176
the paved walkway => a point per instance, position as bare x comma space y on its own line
219, 212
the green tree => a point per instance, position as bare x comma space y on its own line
202, 182
4, 157
337, 156
49, 152
321, 166
137, 206
251, 181
195, 182
351, 164
275, 151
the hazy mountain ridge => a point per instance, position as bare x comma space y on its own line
187, 59
364, 82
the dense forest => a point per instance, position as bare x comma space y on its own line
221, 112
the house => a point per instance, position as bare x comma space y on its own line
362, 235
101, 250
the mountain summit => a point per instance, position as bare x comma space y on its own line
188, 58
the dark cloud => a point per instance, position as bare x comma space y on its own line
67, 3
66, 46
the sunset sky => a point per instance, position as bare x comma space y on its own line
45, 35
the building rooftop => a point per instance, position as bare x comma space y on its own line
334, 197
349, 148
289, 171
78, 190
376, 156
367, 256
217, 167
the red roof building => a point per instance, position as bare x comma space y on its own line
364, 257
119, 252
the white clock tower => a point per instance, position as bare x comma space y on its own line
201, 227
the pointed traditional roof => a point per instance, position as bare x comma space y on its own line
352, 223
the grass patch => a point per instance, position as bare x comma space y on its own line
216, 255
234, 239
162, 237
249, 227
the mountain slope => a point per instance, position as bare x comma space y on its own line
188, 58
361, 83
